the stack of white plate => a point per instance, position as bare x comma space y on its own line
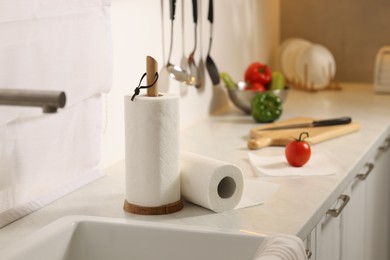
306, 64
382, 70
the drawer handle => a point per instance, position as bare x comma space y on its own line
385, 146
336, 212
308, 253
363, 176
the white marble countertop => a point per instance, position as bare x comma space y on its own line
297, 206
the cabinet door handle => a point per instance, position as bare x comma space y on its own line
336, 212
363, 176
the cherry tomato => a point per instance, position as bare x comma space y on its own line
258, 73
298, 151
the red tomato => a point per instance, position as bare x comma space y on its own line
258, 73
298, 151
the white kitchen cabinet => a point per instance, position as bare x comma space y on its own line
358, 225
328, 234
377, 206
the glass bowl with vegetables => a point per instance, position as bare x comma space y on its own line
259, 79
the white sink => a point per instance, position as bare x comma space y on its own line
83, 237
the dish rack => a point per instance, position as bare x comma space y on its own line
305, 84
382, 71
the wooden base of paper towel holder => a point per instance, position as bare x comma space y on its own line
160, 210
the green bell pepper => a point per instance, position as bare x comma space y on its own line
266, 107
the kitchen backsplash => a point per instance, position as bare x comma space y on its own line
354, 31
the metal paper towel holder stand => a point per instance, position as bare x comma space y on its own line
152, 91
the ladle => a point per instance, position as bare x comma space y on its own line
183, 61
210, 65
191, 57
177, 72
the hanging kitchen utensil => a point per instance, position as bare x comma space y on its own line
177, 72
201, 68
191, 57
164, 74
210, 65
183, 61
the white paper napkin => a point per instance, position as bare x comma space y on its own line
256, 192
320, 163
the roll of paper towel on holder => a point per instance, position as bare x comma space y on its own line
152, 151
210, 183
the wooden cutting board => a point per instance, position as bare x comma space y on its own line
262, 138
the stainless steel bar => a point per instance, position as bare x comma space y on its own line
49, 100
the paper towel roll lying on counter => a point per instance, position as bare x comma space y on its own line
210, 183
152, 150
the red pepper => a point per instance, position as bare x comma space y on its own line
258, 73
256, 87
